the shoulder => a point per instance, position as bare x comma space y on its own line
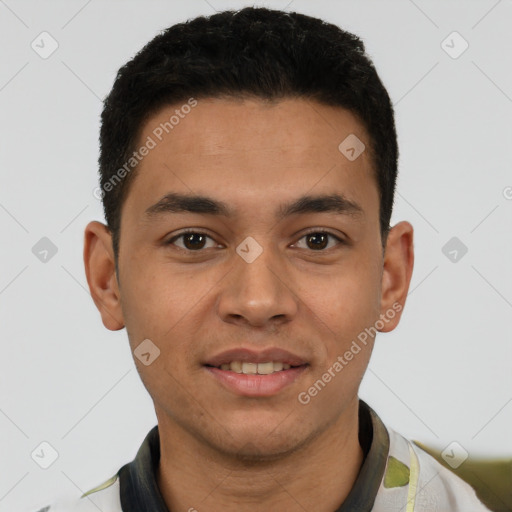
105, 496
416, 477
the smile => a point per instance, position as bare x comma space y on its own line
255, 368
256, 379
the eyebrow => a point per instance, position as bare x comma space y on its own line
183, 203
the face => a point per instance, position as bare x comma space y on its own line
258, 277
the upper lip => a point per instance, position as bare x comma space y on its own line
255, 356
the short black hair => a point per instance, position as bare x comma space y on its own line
254, 52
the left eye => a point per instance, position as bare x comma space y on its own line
319, 240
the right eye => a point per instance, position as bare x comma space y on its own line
193, 241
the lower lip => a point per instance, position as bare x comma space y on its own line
256, 385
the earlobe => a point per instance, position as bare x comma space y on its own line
396, 275
101, 274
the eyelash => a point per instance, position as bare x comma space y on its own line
310, 232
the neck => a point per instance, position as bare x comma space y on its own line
318, 476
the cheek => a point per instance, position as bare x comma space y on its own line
154, 301
347, 301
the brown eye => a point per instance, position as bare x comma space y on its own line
319, 240
192, 240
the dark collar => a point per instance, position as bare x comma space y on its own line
374, 440
140, 492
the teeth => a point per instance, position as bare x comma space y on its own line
236, 366
266, 368
250, 368
255, 368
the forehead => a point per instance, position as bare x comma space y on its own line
253, 124
253, 150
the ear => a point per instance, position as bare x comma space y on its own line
396, 275
101, 275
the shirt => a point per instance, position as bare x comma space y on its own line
396, 475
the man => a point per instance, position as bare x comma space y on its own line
248, 165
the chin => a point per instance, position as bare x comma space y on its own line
259, 444
258, 452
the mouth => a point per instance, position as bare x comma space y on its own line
256, 374
254, 368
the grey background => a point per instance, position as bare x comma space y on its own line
443, 375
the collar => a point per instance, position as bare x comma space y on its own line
374, 440
139, 489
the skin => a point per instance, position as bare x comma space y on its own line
219, 450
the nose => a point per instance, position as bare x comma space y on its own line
258, 293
